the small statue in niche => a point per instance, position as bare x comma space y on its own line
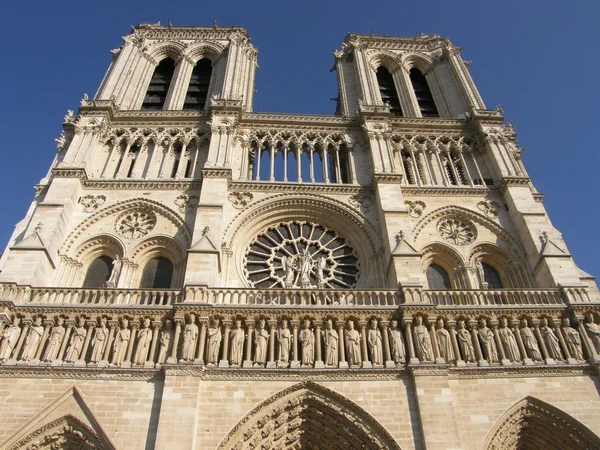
464, 342
284, 338
117, 265
530, 342
75, 347
321, 263
352, 338
488, 345
444, 342
54, 341
551, 341
307, 343
331, 345
423, 341
166, 336
287, 264
33, 340
144, 338
236, 339
100, 338
121, 342
396, 343
573, 340
10, 337
214, 338
509, 343
593, 330
190, 334
375, 344
261, 339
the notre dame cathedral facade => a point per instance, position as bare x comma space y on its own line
195, 275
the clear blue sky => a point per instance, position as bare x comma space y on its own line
538, 59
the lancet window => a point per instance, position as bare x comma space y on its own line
491, 277
197, 92
156, 94
423, 94
98, 273
387, 90
441, 161
437, 277
319, 162
157, 274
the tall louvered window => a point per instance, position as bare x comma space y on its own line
423, 94
157, 274
437, 277
197, 92
98, 273
159, 85
388, 92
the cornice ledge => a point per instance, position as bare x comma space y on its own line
220, 172
308, 188
262, 118
508, 182
92, 310
429, 369
538, 370
295, 311
132, 185
88, 373
414, 191
386, 178
70, 172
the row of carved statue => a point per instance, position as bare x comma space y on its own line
259, 342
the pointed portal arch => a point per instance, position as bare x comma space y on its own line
532, 424
308, 415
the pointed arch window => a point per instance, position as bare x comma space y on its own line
437, 277
388, 92
157, 274
98, 273
159, 85
197, 92
491, 277
423, 94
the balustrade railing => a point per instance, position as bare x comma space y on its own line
489, 297
292, 297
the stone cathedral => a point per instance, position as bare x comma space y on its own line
195, 275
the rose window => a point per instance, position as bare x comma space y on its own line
135, 224
301, 255
457, 231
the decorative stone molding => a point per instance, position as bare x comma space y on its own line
185, 202
415, 208
92, 202
457, 231
362, 202
135, 224
489, 207
240, 200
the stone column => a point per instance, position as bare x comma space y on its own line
48, 324
248, 358
541, 342
156, 325
15, 354
173, 358
363, 345
387, 354
341, 349
459, 361
225, 357
318, 356
517, 332
478, 354
113, 327
434, 342
63, 346
271, 362
295, 360
409, 340
134, 326
201, 341
499, 346
91, 325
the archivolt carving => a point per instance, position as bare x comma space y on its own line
308, 415
281, 208
166, 49
129, 205
210, 50
533, 424
465, 213
417, 60
100, 242
160, 244
66, 432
